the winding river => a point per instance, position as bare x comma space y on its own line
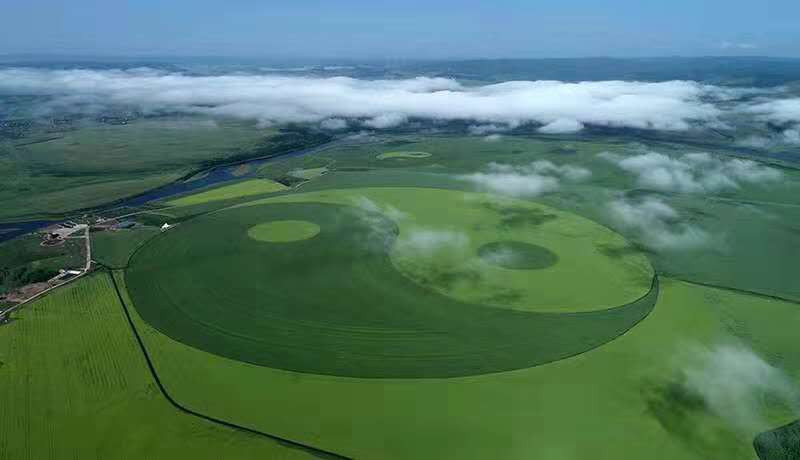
212, 176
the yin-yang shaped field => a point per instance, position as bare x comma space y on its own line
391, 283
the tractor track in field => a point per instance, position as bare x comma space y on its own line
316, 451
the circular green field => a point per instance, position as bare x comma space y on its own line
283, 231
338, 303
406, 155
441, 233
516, 255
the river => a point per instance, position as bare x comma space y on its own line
214, 175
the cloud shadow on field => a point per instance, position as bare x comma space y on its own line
718, 394
449, 278
514, 216
681, 412
616, 251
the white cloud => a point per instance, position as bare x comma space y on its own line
559, 106
333, 124
526, 180
428, 240
382, 230
569, 172
758, 142
500, 256
482, 130
792, 136
693, 172
657, 225
785, 112
562, 125
386, 120
493, 137
514, 184
388, 210
734, 382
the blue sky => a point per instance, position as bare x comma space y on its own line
402, 29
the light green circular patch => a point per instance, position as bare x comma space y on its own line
283, 231
516, 255
441, 250
387, 155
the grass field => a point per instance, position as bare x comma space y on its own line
403, 155
516, 255
283, 231
425, 320
351, 312
96, 163
112, 248
74, 384
751, 229
440, 249
309, 173
240, 189
635, 406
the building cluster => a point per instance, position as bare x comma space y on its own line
55, 235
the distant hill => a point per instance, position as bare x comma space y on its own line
739, 71
733, 71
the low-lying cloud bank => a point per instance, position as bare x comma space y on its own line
558, 107
693, 172
778, 111
784, 113
657, 225
736, 384
527, 180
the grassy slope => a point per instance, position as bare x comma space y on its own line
606, 403
74, 384
240, 189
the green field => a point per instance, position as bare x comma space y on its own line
403, 155
96, 164
516, 255
326, 317
112, 248
611, 271
634, 401
283, 231
388, 308
309, 173
245, 188
76, 385
753, 227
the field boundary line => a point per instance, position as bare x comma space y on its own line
288, 442
734, 289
